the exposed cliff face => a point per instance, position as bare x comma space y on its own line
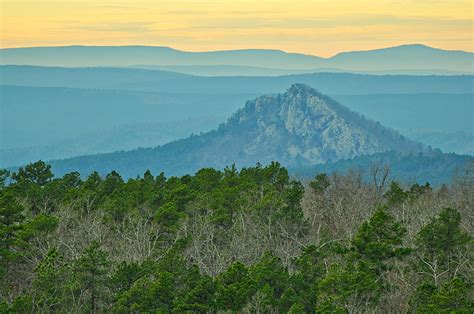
303, 126
298, 128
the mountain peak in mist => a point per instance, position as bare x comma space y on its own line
304, 126
300, 127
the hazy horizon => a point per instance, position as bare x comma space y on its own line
310, 27
414, 44
205, 156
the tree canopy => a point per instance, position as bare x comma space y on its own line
250, 240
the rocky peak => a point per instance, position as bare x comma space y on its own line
299, 97
300, 90
303, 124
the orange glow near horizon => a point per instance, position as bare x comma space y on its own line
316, 27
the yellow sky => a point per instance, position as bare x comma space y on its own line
314, 27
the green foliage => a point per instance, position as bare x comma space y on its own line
270, 276
361, 281
442, 252
454, 296
38, 173
124, 276
49, 285
39, 225
296, 308
168, 216
15, 233
310, 270
417, 190
397, 196
288, 299
4, 175
341, 286
11, 219
292, 197
234, 288
320, 183
21, 304
442, 246
112, 182
152, 230
91, 276
200, 298
93, 182
72, 180
378, 241
148, 295
163, 286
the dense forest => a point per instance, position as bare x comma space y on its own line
252, 240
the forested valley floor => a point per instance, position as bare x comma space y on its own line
250, 241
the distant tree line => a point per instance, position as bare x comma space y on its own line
252, 241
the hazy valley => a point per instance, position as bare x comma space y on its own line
144, 107
139, 179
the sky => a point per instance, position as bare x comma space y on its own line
318, 27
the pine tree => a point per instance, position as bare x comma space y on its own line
234, 288
91, 271
49, 285
361, 281
38, 173
442, 246
442, 258
11, 219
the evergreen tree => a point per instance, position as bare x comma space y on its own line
4, 176
234, 288
50, 291
91, 272
38, 173
373, 249
378, 241
443, 255
443, 247
270, 276
320, 183
11, 219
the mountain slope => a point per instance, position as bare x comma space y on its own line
459, 142
298, 128
245, 70
435, 167
96, 121
304, 126
170, 82
406, 57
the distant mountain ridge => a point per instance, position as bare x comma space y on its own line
243, 70
84, 101
402, 58
172, 82
298, 128
414, 56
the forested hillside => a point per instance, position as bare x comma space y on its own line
102, 110
301, 128
435, 167
169, 82
246, 241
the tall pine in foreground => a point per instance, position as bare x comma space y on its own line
361, 282
92, 276
443, 257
